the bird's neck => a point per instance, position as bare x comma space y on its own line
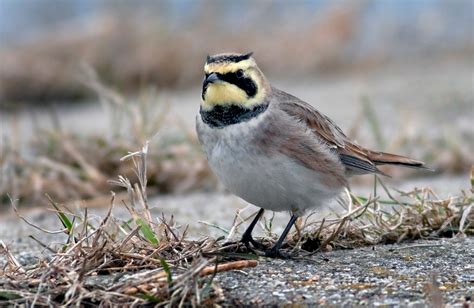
224, 115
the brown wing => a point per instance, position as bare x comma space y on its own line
353, 156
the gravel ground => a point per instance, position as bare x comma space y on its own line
417, 274
389, 275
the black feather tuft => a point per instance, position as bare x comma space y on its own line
248, 55
235, 58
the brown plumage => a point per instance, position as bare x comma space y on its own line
357, 159
281, 134
271, 148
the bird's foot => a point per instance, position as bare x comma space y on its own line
248, 239
276, 253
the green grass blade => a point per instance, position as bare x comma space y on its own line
147, 231
167, 270
9, 295
67, 223
150, 298
226, 231
364, 199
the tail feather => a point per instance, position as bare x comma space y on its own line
381, 158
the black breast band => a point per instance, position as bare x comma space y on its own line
224, 115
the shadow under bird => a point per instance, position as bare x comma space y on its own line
271, 148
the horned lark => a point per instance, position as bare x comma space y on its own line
272, 149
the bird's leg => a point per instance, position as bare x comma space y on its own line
247, 236
274, 252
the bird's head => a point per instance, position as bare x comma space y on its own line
233, 79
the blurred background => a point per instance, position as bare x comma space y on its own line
82, 83
163, 43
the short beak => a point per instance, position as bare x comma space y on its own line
213, 77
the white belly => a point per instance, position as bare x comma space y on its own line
276, 183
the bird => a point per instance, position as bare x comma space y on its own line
272, 149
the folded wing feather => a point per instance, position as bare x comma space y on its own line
356, 158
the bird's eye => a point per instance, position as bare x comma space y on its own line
239, 74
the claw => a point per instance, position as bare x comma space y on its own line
276, 253
248, 239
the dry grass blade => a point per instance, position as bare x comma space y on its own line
414, 214
12, 261
76, 167
143, 260
166, 268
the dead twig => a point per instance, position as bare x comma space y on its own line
230, 266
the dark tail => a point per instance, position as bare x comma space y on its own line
381, 158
